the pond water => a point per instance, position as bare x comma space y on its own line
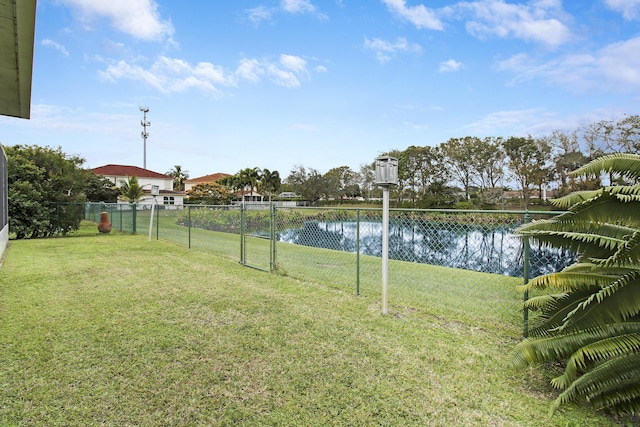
486, 249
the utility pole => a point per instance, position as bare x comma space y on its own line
144, 133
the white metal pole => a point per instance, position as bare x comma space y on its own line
151, 219
385, 247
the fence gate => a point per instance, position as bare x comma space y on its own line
257, 237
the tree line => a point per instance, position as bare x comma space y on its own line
476, 172
462, 172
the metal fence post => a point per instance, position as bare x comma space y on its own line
242, 248
525, 274
272, 251
357, 251
134, 213
58, 217
189, 226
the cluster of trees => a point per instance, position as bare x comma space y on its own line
263, 181
473, 171
38, 176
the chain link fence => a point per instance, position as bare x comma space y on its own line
4, 202
443, 255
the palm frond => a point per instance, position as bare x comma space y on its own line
570, 281
604, 349
532, 351
623, 398
628, 253
554, 316
600, 379
576, 197
616, 302
626, 164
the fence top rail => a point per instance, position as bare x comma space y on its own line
350, 208
453, 211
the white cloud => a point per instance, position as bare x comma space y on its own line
293, 63
538, 21
385, 50
288, 71
535, 121
509, 123
419, 16
630, 9
169, 75
138, 18
250, 69
615, 67
297, 6
54, 45
259, 14
450, 65
262, 13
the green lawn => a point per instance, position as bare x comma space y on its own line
114, 330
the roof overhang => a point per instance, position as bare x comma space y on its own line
17, 30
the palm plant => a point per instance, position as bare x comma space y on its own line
590, 317
270, 181
131, 190
179, 177
249, 177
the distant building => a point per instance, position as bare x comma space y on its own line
288, 195
119, 174
207, 179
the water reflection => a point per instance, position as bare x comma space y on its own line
477, 248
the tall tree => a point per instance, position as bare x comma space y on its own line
590, 313
567, 157
269, 182
528, 159
179, 177
340, 181
249, 178
365, 178
309, 184
458, 153
410, 170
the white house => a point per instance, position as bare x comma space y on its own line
119, 174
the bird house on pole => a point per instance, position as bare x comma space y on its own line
386, 171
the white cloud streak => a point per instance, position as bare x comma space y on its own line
615, 67
386, 50
537, 21
258, 14
297, 6
54, 45
450, 66
630, 9
138, 18
420, 16
168, 75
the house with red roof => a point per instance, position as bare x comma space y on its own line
207, 179
119, 174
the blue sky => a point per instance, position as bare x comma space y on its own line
319, 83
